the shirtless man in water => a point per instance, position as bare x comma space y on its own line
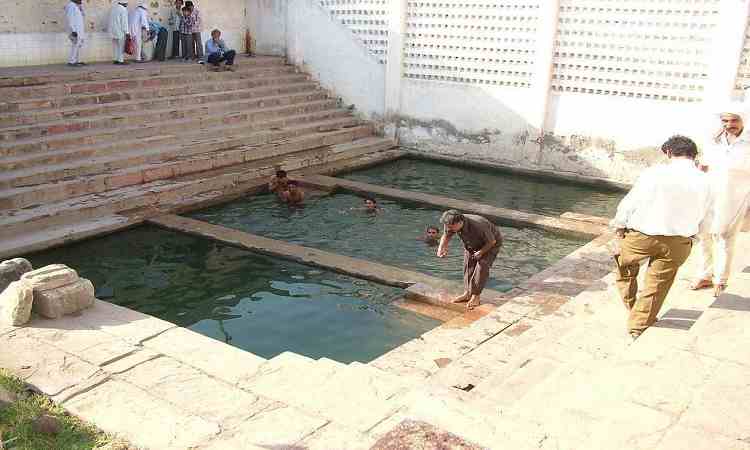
293, 195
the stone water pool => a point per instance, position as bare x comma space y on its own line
338, 224
260, 304
491, 187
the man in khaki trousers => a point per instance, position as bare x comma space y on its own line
656, 221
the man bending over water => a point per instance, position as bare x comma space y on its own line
482, 241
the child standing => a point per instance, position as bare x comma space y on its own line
186, 33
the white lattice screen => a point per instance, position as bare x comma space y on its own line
471, 41
743, 74
655, 49
367, 19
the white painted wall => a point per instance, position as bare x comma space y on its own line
266, 20
327, 50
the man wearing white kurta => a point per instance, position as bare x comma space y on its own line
655, 222
727, 162
77, 31
118, 28
138, 23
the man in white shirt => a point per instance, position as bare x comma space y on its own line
726, 159
138, 23
656, 222
77, 29
118, 28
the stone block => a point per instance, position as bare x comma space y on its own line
12, 270
15, 304
64, 300
50, 277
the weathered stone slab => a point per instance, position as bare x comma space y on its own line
16, 303
129, 325
50, 277
12, 270
91, 345
333, 436
278, 428
133, 359
194, 391
421, 435
144, 420
700, 439
216, 358
47, 368
64, 300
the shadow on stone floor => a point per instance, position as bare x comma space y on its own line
732, 302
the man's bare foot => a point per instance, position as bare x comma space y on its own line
473, 303
700, 284
461, 298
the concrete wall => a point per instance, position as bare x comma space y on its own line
36, 35
326, 49
267, 22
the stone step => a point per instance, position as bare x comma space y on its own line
169, 126
184, 163
172, 193
94, 160
150, 103
48, 74
327, 362
29, 165
184, 109
20, 107
130, 81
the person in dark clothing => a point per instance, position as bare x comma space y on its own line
482, 241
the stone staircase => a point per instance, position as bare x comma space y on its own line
83, 146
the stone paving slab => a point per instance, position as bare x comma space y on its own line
215, 358
279, 428
144, 420
47, 368
190, 390
501, 216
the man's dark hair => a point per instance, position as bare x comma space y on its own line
433, 228
451, 217
680, 146
371, 199
189, 4
292, 183
281, 174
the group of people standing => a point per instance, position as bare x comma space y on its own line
129, 32
672, 205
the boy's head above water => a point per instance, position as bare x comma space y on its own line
370, 203
281, 174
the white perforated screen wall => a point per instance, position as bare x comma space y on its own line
367, 19
471, 41
651, 49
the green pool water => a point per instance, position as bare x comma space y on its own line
491, 187
259, 304
334, 223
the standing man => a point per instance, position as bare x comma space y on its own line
656, 222
138, 22
173, 22
118, 29
74, 16
727, 162
482, 241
